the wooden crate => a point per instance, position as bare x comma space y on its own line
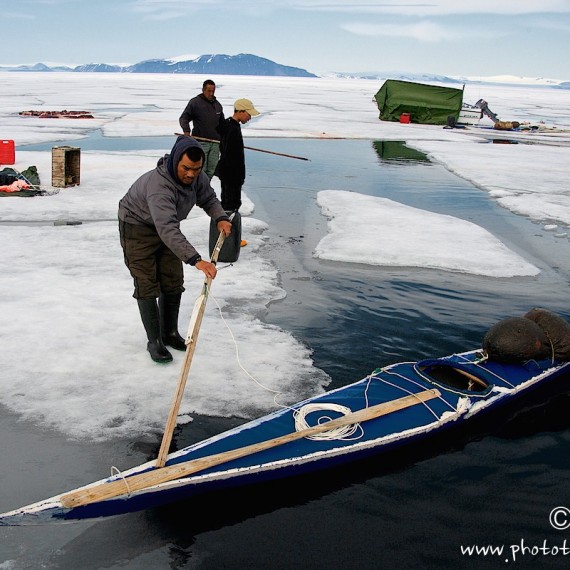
65, 166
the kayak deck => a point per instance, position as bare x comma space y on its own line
461, 386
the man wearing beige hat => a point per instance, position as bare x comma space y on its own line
231, 166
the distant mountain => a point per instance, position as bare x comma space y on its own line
399, 75
210, 64
35, 67
458, 80
98, 67
248, 64
241, 64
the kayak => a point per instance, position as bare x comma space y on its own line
391, 408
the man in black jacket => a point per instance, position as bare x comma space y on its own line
206, 113
154, 247
231, 166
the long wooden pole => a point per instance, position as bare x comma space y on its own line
248, 147
151, 478
191, 339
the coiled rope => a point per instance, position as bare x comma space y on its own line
300, 414
341, 432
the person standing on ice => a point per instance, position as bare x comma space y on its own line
155, 248
205, 113
231, 167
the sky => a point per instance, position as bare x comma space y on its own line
61, 275
465, 38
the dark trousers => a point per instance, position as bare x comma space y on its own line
153, 267
231, 196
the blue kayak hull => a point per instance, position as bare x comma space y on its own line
467, 387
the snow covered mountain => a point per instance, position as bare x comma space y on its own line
209, 64
248, 64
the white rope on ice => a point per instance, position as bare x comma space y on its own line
237, 351
299, 414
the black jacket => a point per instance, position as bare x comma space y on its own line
231, 166
205, 116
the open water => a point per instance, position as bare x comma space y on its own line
491, 487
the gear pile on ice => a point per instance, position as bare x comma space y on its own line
23, 184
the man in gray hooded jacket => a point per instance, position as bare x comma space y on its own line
153, 245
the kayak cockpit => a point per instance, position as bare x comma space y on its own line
453, 376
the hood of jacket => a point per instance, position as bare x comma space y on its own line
182, 144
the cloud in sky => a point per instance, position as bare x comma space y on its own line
433, 7
170, 9
437, 7
555, 25
163, 9
424, 31
45, 2
17, 16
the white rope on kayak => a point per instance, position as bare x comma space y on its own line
300, 414
341, 432
116, 471
477, 364
440, 397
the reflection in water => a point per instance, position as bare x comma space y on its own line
397, 151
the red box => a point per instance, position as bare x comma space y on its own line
7, 152
405, 118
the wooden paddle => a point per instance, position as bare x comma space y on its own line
248, 147
133, 483
191, 339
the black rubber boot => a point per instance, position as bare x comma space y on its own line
169, 307
151, 321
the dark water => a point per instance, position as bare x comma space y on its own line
494, 485
357, 317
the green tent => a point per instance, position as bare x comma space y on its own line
426, 104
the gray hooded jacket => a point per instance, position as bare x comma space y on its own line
158, 199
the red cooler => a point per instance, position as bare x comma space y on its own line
405, 118
7, 152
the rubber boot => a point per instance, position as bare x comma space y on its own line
169, 308
151, 321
